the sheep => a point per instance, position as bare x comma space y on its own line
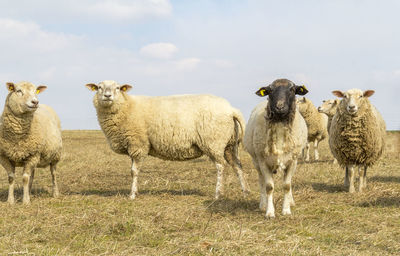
329, 107
30, 137
316, 125
357, 134
179, 127
276, 134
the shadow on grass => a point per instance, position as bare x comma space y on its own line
126, 192
382, 202
231, 206
390, 179
330, 188
19, 192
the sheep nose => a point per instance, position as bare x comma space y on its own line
280, 105
35, 102
107, 95
352, 107
319, 108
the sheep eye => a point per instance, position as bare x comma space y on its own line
19, 92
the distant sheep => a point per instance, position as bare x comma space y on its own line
177, 128
357, 134
275, 136
329, 108
316, 125
30, 137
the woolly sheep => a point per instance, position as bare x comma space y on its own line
357, 134
329, 108
316, 126
30, 137
178, 128
275, 136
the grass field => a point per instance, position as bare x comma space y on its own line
175, 213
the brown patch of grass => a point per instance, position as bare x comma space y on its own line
175, 213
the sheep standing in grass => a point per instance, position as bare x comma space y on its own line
316, 125
357, 134
329, 108
30, 137
275, 136
179, 128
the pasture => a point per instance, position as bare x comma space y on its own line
175, 213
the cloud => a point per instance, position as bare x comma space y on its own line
159, 50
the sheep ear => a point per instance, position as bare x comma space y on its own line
337, 101
126, 87
301, 90
368, 93
92, 87
338, 94
263, 91
10, 86
40, 89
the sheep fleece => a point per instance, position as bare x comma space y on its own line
176, 127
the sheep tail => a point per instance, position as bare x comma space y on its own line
239, 130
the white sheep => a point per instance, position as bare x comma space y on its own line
275, 136
30, 137
357, 134
179, 127
316, 126
329, 108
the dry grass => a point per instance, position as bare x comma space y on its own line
175, 214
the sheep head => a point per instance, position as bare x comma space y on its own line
329, 107
282, 99
109, 92
353, 100
22, 97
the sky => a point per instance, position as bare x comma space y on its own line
220, 47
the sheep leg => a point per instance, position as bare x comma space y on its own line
307, 152
232, 157
365, 177
53, 168
134, 174
263, 188
219, 190
361, 179
351, 179
269, 188
25, 181
316, 153
346, 177
31, 180
287, 187
10, 168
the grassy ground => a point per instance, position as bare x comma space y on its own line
175, 213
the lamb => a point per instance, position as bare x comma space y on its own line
316, 125
30, 137
276, 134
357, 134
178, 128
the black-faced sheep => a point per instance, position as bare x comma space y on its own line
178, 128
316, 125
275, 136
357, 134
30, 137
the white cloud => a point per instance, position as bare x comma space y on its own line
159, 50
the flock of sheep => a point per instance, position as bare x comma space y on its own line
184, 127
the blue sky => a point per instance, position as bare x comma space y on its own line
226, 48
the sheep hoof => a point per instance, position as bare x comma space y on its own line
11, 201
263, 207
270, 215
286, 212
132, 196
351, 190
